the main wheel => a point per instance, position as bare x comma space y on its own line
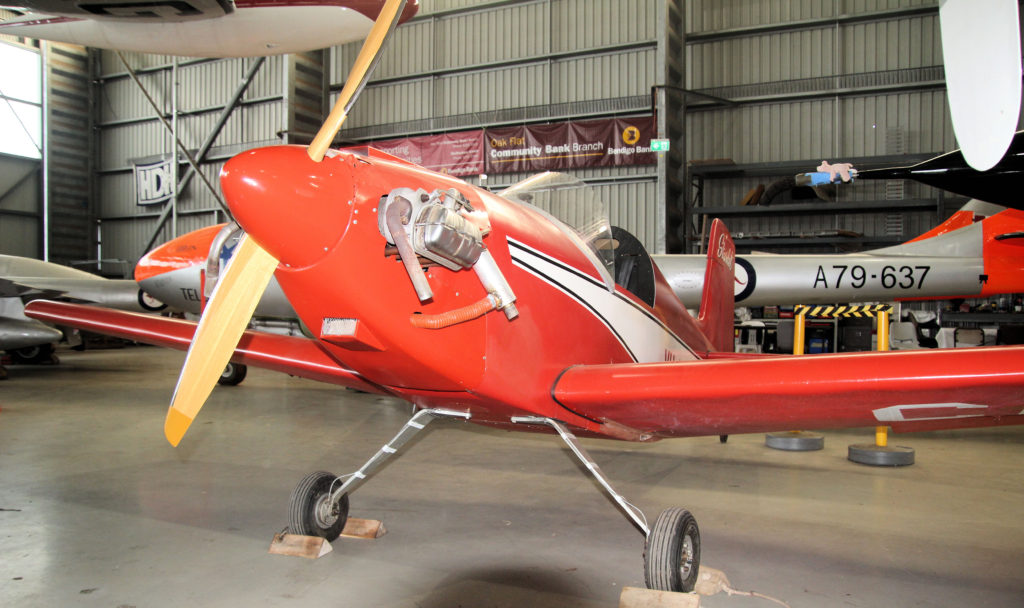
30, 355
233, 374
310, 512
672, 552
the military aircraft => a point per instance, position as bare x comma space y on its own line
976, 253
491, 309
23, 279
199, 28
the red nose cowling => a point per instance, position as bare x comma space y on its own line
295, 208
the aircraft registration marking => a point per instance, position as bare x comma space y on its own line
857, 277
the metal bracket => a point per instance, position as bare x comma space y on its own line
416, 424
631, 511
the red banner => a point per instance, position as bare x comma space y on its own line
570, 145
452, 153
528, 149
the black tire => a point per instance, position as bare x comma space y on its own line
672, 552
306, 506
233, 374
40, 353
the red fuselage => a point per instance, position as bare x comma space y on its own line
320, 221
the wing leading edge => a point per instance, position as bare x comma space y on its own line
910, 391
289, 354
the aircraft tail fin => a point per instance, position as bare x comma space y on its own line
718, 300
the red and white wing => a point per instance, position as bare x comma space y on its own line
908, 390
289, 354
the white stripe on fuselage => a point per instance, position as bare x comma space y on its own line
644, 337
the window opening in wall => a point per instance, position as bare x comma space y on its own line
21, 113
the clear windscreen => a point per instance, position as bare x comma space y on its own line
575, 205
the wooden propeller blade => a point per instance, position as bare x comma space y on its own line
364, 64
225, 318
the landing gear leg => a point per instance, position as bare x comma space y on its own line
319, 504
672, 546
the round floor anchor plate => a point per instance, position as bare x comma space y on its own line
889, 456
795, 441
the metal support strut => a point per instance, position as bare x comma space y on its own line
416, 424
630, 510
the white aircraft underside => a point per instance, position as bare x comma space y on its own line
244, 32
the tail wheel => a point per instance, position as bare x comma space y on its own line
310, 512
672, 552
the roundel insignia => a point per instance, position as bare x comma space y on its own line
746, 279
630, 135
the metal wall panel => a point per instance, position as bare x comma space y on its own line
714, 15
118, 194
585, 24
763, 132
394, 102
120, 144
20, 206
922, 116
268, 82
19, 236
893, 44
121, 99
428, 7
19, 184
110, 63
513, 87
762, 58
870, 6
603, 76
810, 129
518, 31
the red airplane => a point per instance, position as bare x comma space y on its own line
487, 308
512, 318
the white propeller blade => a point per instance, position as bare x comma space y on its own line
981, 50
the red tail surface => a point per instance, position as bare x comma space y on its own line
718, 300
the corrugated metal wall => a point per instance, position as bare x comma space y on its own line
816, 80
69, 154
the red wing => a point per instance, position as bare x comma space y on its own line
909, 390
289, 354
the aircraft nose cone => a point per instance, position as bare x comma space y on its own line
295, 208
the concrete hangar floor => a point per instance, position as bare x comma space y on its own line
96, 509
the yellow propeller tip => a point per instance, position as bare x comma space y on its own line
175, 426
